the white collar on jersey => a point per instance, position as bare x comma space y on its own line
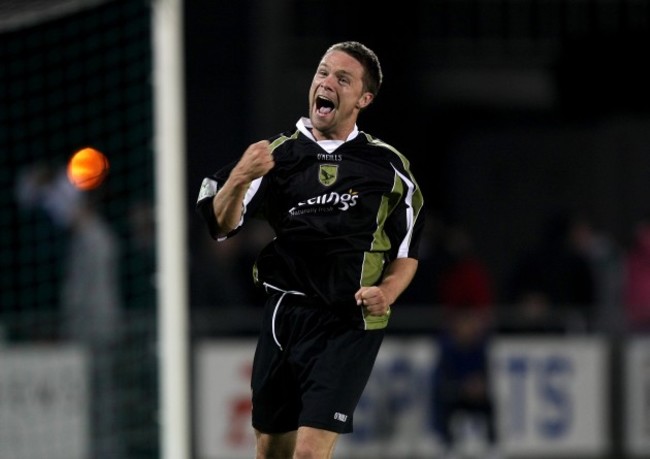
304, 125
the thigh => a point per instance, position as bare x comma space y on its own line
275, 389
334, 376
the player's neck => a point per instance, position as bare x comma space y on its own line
339, 134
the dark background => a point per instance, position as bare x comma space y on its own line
510, 111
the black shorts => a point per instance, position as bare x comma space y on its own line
310, 367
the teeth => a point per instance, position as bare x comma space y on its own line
324, 103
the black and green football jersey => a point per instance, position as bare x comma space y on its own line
339, 216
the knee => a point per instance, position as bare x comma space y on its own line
306, 451
312, 443
274, 446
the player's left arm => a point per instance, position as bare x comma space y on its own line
404, 227
377, 299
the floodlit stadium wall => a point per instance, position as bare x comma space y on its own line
78, 362
552, 396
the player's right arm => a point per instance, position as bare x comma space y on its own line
227, 204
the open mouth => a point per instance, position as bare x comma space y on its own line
324, 105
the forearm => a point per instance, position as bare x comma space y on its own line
228, 204
397, 277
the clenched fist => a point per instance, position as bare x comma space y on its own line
256, 161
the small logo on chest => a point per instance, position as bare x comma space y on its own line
327, 173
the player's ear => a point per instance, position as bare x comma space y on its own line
365, 100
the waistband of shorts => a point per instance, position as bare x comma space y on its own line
301, 301
293, 297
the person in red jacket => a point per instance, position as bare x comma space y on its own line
636, 279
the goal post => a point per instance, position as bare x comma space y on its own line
170, 205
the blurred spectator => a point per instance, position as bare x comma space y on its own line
636, 279
556, 272
461, 382
465, 280
41, 235
605, 258
91, 309
535, 314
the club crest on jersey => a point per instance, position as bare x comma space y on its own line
327, 174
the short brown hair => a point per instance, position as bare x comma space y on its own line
373, 76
